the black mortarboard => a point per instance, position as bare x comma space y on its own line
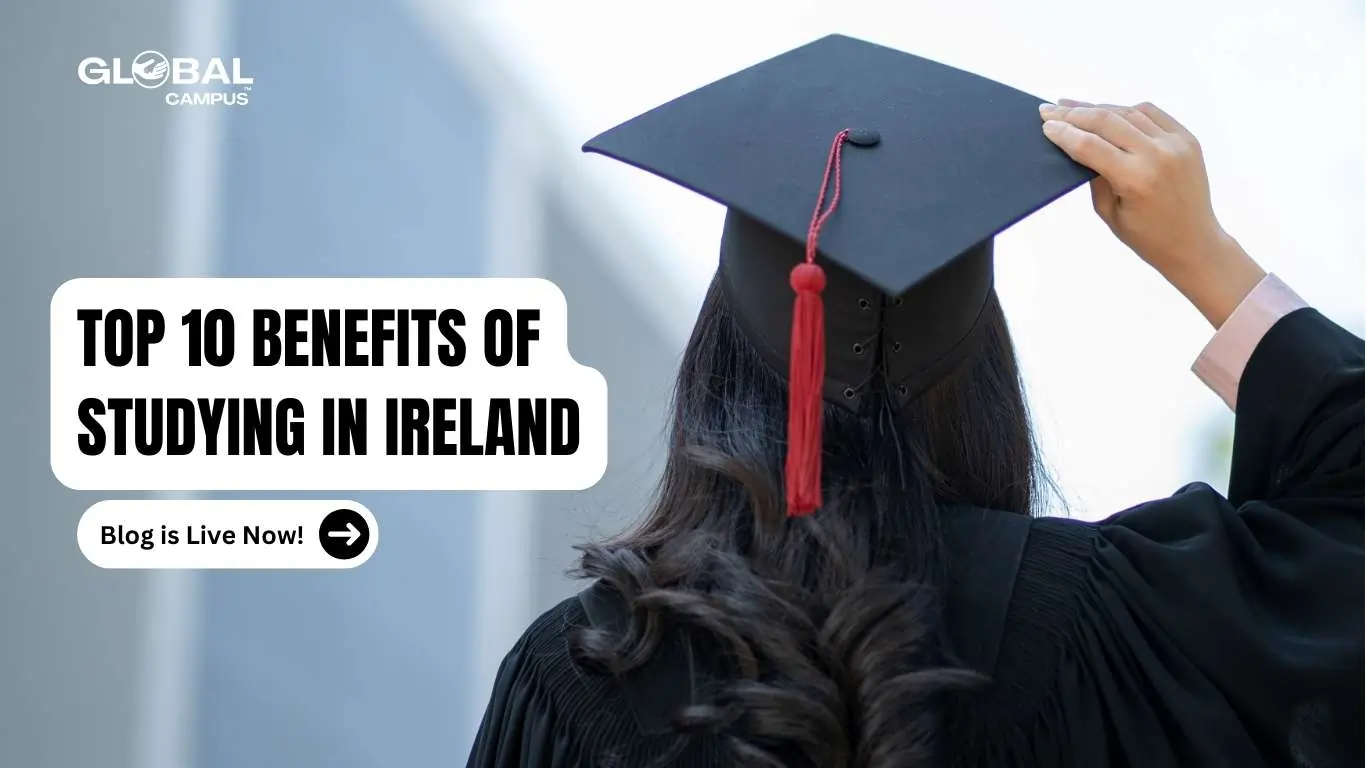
927, 164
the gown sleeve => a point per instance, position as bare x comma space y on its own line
520, 727
1229, 631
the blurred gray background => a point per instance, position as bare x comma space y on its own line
368, 149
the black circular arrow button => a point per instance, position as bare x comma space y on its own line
344, 534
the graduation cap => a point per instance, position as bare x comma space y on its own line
872, 182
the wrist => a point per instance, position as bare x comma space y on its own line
1218, 278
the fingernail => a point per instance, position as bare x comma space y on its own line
1053, 126
1046, 108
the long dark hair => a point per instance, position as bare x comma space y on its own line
829, 624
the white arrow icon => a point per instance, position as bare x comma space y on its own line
350, 534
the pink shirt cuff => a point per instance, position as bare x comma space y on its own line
1222, 362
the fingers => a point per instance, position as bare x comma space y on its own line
1087, 148
1127, 146
1105, 123
1135, 115
1137, 119
1160, 118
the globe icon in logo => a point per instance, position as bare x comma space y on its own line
151, 69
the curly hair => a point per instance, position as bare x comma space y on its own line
829, 625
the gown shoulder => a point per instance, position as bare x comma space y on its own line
1204, 629
548, 711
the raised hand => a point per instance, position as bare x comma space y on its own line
1153, 193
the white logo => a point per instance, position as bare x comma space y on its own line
209, 82
151, 69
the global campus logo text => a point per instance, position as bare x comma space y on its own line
152, 70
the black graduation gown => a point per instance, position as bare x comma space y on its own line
1195, 630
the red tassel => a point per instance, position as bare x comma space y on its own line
806, 383
806, 379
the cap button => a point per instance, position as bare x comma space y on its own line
864, 137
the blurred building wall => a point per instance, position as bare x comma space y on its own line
611, 328
373, 145
83, 188
366, 150
360, 154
